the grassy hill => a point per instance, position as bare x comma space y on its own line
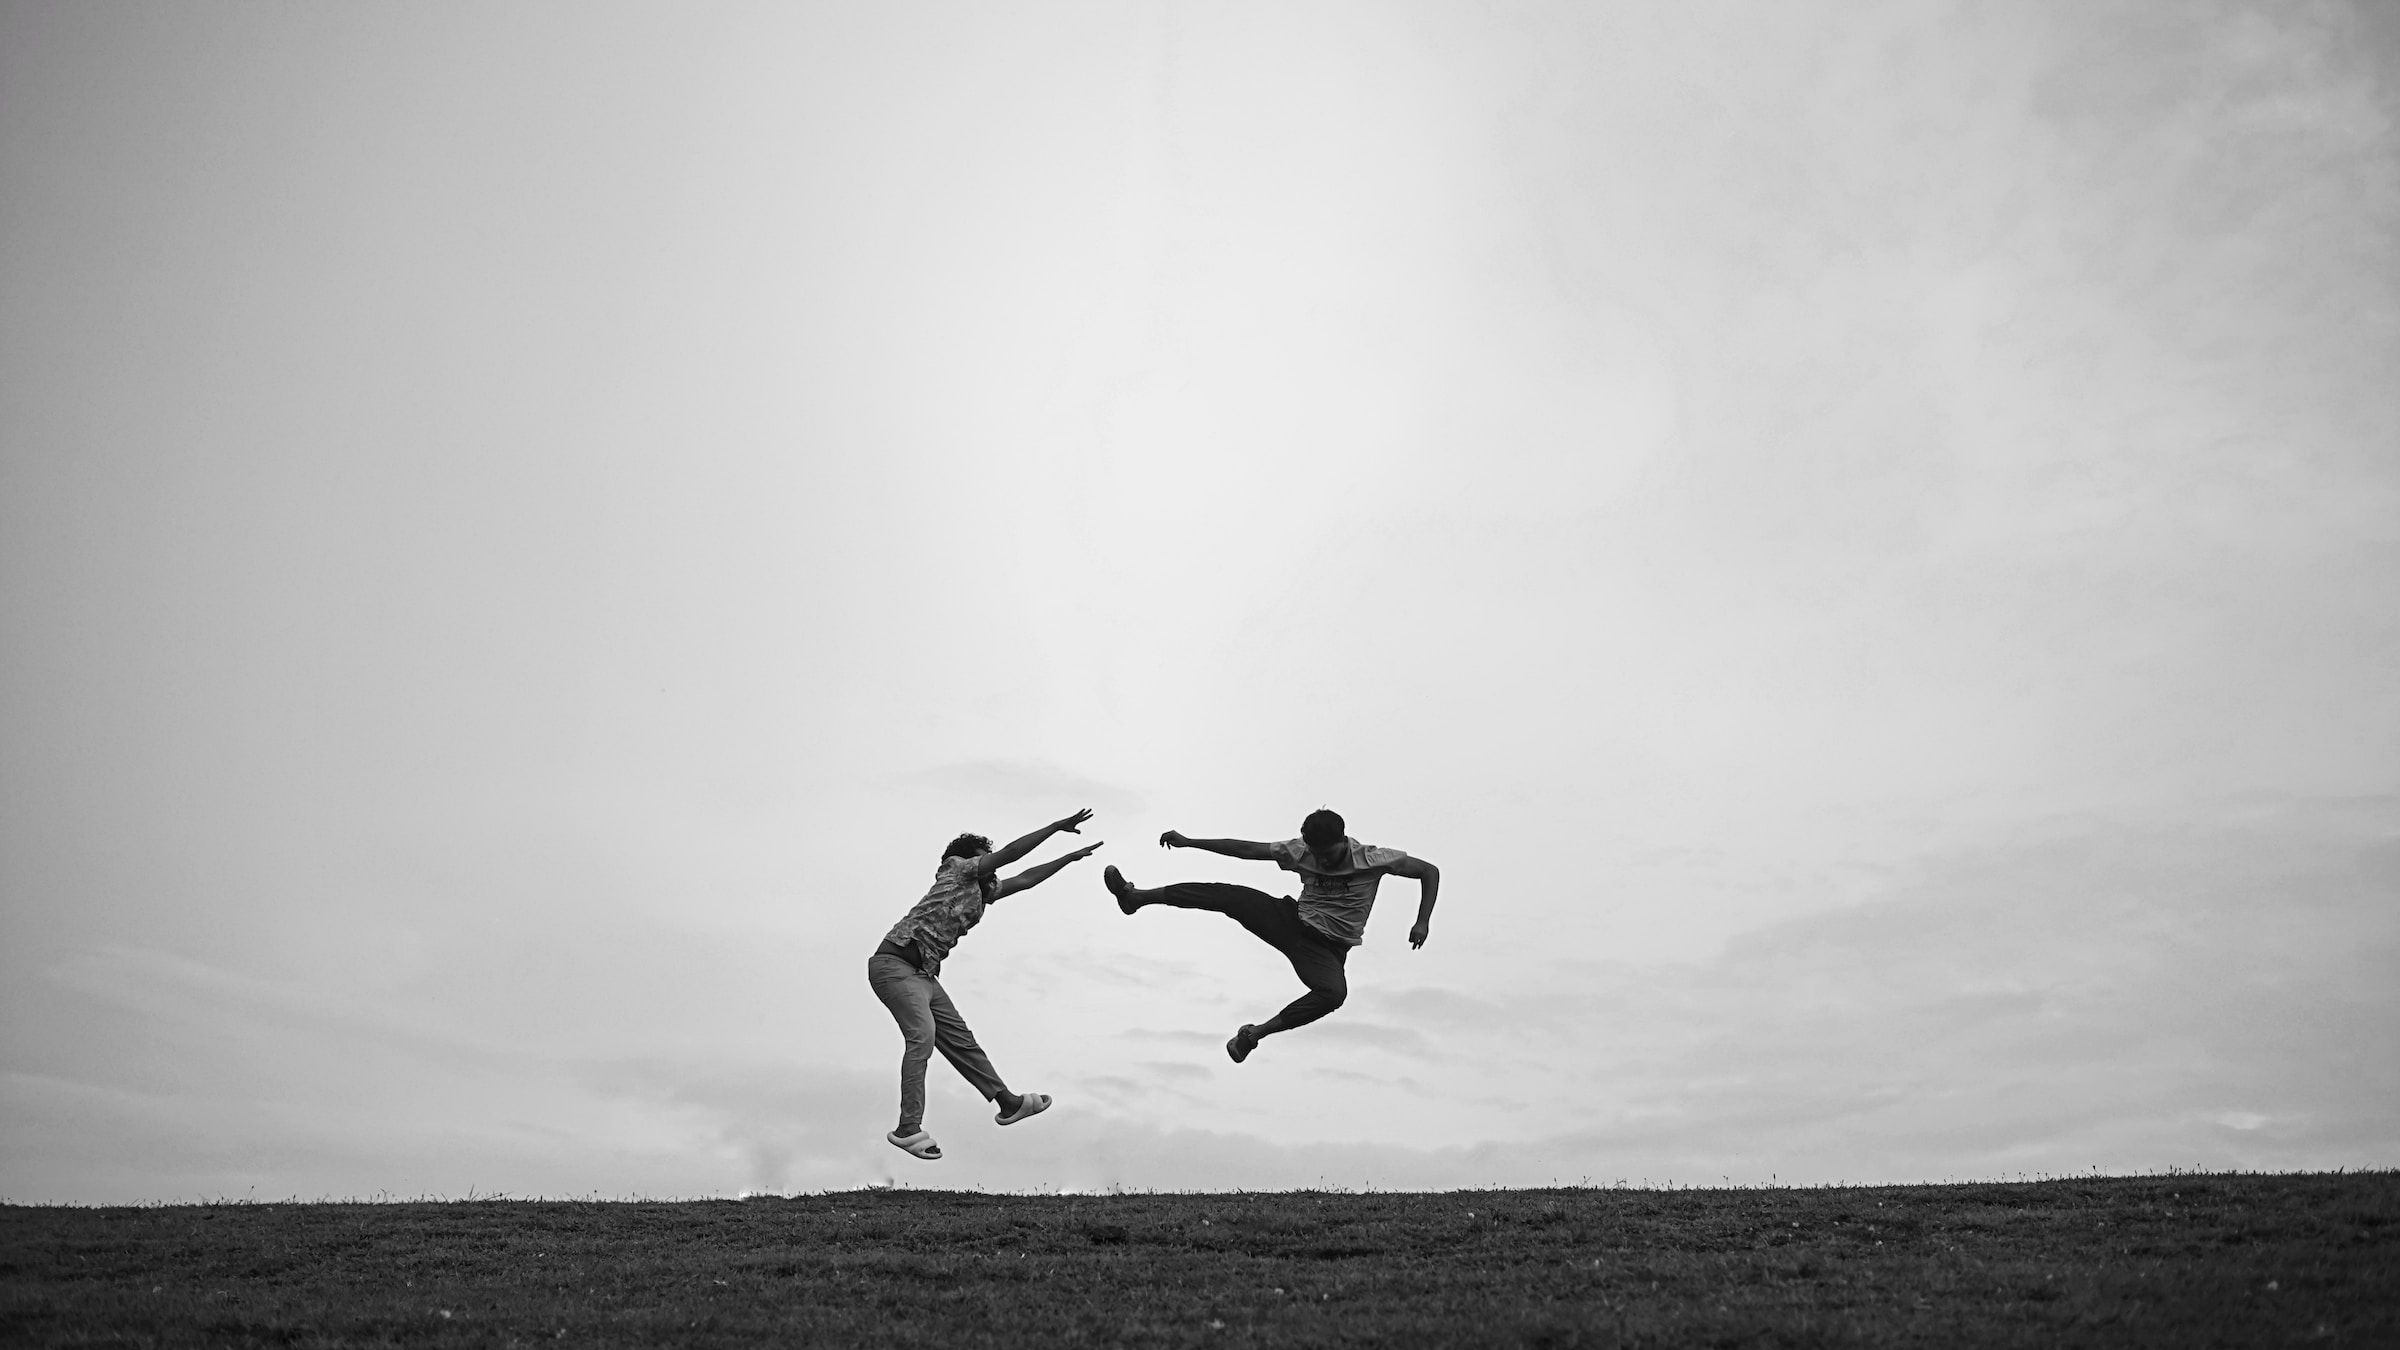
2186, 1260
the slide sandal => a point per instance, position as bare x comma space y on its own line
919, 1145
1031, 1104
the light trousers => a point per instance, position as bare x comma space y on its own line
928, 1022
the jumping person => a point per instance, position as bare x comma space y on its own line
1338, 877
903, 972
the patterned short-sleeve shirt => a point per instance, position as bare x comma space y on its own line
1337, 903
954, 905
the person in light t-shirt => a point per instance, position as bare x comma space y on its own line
1316, 930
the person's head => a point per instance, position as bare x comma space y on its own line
967, 846
1325, 835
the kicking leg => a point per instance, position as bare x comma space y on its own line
1252, 909
1273, 920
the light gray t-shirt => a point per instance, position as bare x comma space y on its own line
1337, 903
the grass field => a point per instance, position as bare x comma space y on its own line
2170, 1261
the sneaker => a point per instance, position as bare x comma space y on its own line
1031, 1104
1119, 887
1243, 1042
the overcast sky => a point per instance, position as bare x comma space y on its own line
1863, 539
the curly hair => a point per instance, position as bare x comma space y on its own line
967, 846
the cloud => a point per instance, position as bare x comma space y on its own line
1863, 481
1429, 1005
1179, 1037
2106, 994
782, 1120
1377, 1035
1033, 785
2099, 992
1121, 968
1114, 1087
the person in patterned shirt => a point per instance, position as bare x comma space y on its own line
1338, 877
905, 968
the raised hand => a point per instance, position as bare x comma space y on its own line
1073, 823
1086, 851
1418, 934
1173, 839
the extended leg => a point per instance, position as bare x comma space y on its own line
959, 1046
1273, 920
1252, 909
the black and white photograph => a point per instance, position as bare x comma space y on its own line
1153, 673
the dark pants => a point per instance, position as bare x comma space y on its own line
1274, 920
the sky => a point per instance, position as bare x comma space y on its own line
1861, 537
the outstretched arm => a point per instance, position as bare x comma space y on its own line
1018, 848
1035, 876
1429, 884
1231, 848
